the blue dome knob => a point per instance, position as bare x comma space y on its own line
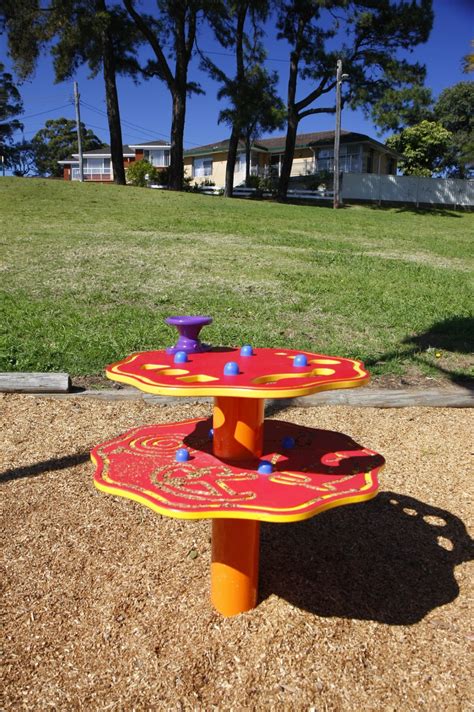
211, 434
231, 368
300, 361
288, 442
265, 468
180, 357
246, 350
182, 455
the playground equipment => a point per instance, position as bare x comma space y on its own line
235, 469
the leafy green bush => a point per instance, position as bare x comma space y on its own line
142, 173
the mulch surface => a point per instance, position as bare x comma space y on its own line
106, 604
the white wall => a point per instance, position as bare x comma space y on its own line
407, 189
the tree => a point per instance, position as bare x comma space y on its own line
58, 140
399, 108
366, 36
455, 111
80, 32
176, 22
423, 148
10, 106
254, 103
22, 159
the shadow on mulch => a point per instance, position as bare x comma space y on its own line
390, 560
39, 468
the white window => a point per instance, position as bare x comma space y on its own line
202, 167
158, 157
97, 165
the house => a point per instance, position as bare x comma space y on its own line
97, 164
314, 153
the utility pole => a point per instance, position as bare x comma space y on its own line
337, 135
79, 138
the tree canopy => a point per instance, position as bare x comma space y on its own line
58, 140
423, 148
455, 111
11, 106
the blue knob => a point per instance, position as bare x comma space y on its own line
246, 350
180, 357
231, 368
265, 468
182, 455
300, 360
288, 442
211, 434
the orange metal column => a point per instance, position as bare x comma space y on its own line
238, 427
238, 435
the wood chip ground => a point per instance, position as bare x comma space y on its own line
105, 604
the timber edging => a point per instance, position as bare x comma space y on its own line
357, 397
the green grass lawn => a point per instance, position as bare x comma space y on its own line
89, 273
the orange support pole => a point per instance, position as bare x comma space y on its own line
238, 427
238, 435
234, 567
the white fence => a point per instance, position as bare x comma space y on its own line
407, 189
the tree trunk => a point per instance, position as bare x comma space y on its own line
177, 130
113, 111
291, 131
231, 158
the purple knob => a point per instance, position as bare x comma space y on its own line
188, 329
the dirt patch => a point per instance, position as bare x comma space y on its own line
106, 603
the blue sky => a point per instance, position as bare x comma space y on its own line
146, 108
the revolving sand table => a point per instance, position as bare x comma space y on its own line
236, 469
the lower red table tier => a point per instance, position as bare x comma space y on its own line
324, 469
267, 373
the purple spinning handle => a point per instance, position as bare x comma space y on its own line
188, 328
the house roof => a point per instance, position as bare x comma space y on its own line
277, 144
216, 147
103, 152
151, 144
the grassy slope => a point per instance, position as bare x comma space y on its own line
90, 271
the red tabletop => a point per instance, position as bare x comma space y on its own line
268, 373
323, 469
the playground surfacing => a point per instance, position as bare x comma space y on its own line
106, 604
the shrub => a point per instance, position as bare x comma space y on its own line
142, 173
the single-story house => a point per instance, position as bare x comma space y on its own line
314, 152
97, 164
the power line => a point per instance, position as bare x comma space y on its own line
134, 126
40, 113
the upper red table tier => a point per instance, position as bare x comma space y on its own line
268, 373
